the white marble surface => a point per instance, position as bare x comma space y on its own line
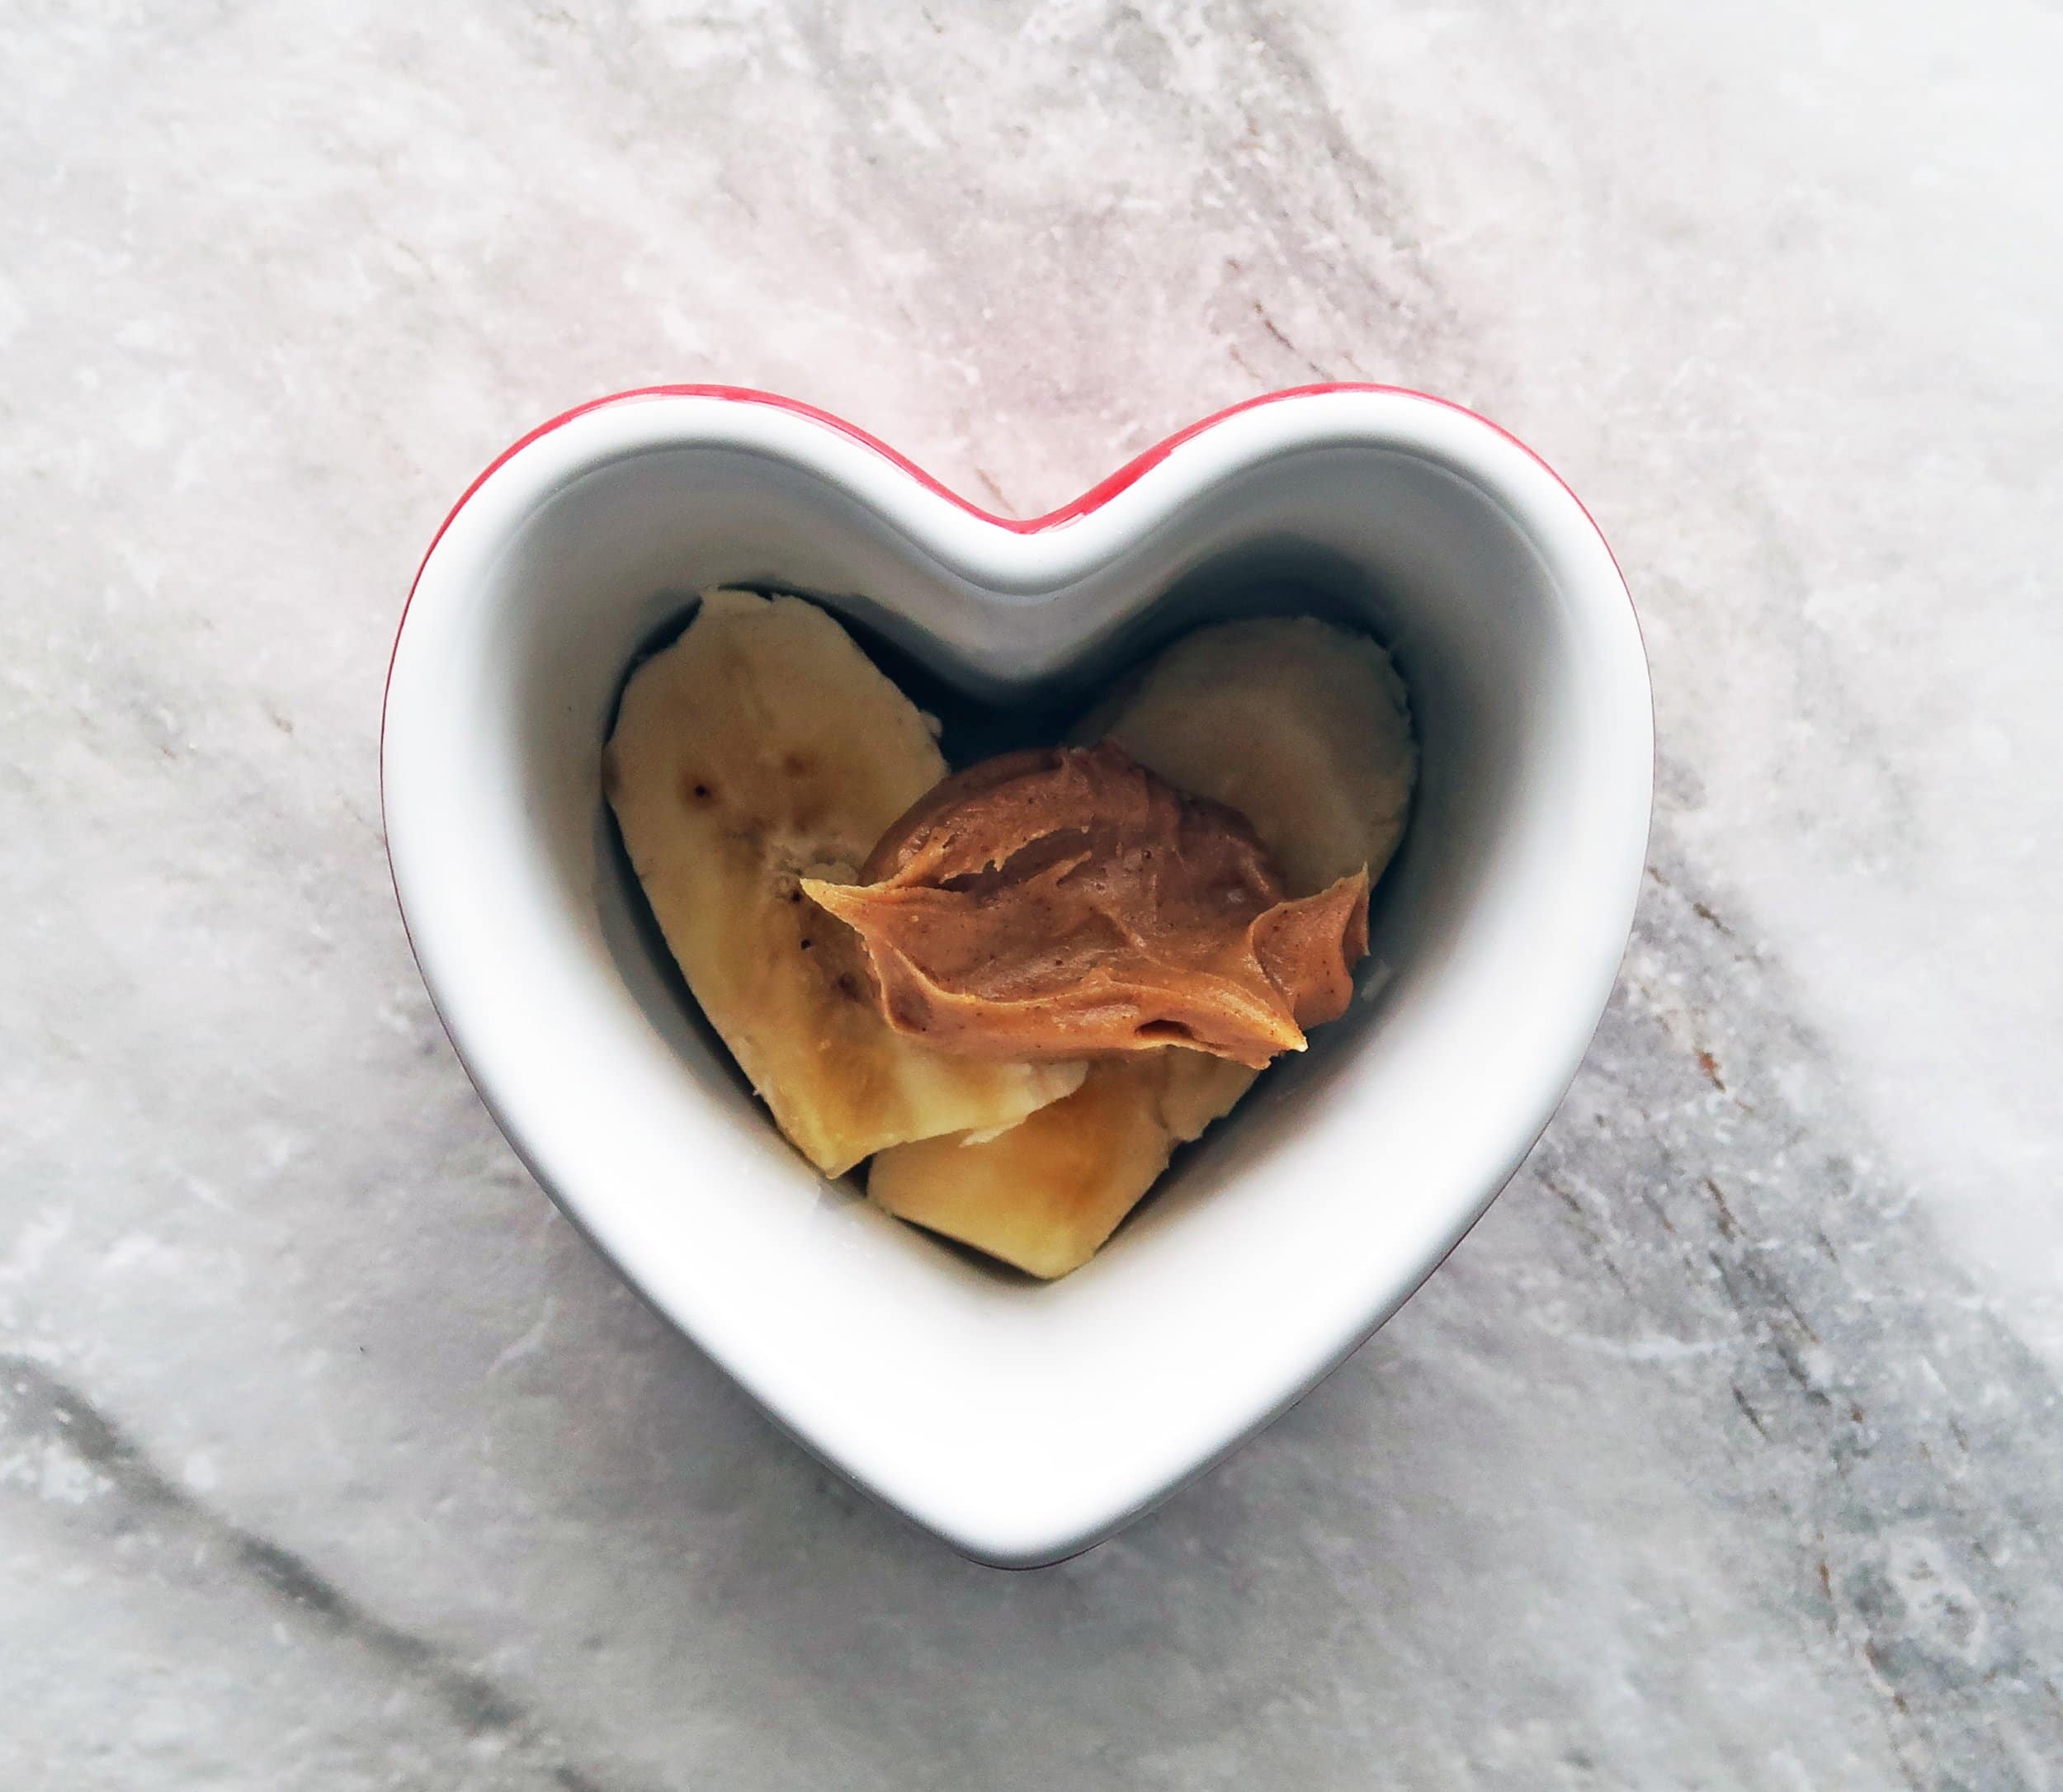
1726, 1453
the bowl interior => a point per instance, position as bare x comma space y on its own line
1292, 1228
1421, 559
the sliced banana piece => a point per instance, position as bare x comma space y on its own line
1304, 729
1044, 1194
763, 745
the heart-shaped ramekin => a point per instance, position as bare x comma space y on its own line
1024, 1422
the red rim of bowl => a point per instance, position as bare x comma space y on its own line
1093, 499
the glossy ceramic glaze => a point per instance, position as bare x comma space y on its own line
1022, 1423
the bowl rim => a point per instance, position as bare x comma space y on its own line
1084, 504
1065, 1534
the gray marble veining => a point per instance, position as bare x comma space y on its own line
1727, 1450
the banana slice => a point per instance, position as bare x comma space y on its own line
1044, 1194
762, 746
1304, 727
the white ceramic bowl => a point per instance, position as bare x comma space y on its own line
1023, 1422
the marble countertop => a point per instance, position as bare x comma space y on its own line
1726, 1453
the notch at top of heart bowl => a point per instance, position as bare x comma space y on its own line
1024, 1422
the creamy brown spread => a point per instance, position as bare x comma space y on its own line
1065, 903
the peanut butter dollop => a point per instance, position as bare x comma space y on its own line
1065, 903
